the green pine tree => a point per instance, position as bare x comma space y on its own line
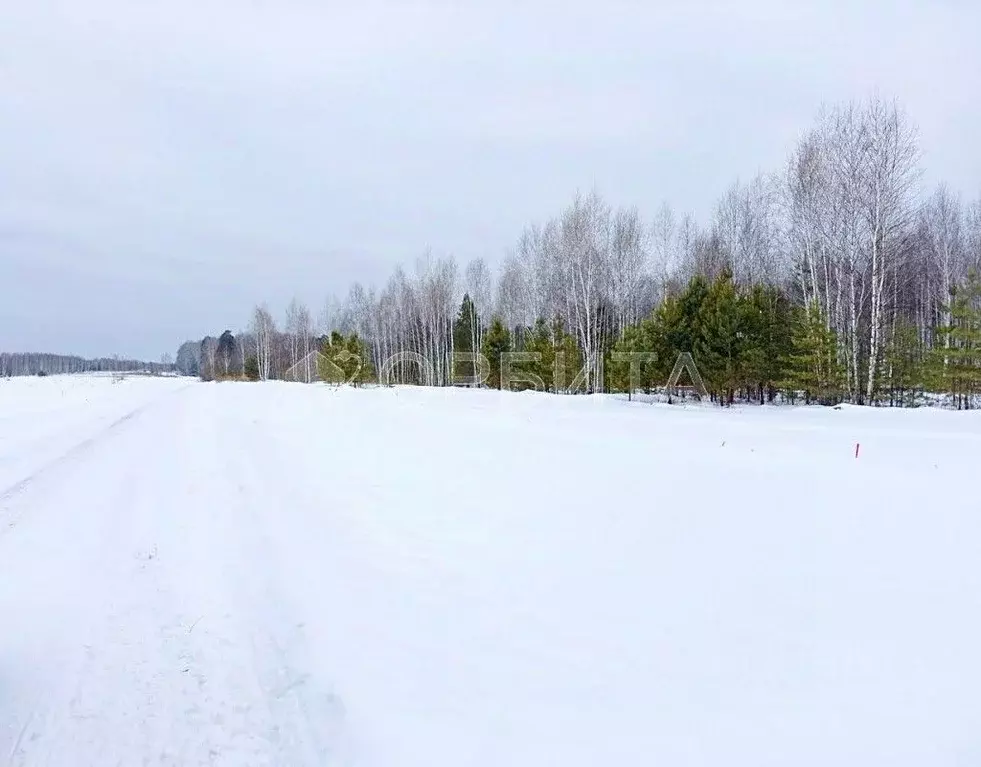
904, 365
497, 341
767, 324
344, 360
568, 361
956, 358
357, 365
675, 327
540, 340
465, 334
681, 318
635, 339
813, 365
719, 346
252, 368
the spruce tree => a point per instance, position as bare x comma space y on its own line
343, 359
682, 318
329, 370
357, 363
904, 365
539, 340
767, 324
618, 372
252, 368
813, 365
956, 357
464, 338
497, 341
719, 347
568, 360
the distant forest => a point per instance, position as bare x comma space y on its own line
32, 364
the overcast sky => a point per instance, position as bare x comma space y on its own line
165, 165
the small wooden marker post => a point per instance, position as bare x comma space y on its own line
857, 446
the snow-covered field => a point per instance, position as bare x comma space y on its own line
276, 574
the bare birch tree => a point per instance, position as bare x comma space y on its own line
944, 240
973, 236
293, 332
585, 238
478, 282
629, 266
889, 177
263, 329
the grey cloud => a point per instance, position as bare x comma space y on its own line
207, 155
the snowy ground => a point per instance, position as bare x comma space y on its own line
245, 574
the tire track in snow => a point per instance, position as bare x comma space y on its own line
8, 495
15, 750
165, 630
62, 672
309, 710
153, 672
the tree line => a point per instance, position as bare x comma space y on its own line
834, 278
36, 363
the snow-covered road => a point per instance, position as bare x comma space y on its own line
146, 623
277, 574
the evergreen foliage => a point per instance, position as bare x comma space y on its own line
812, 365
497, 341
345, 360
955, 362
906, 366
465, 334
252, 368
740, 340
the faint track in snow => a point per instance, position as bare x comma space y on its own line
184, 645
306, 708
15, 750
75, 452
130, 683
